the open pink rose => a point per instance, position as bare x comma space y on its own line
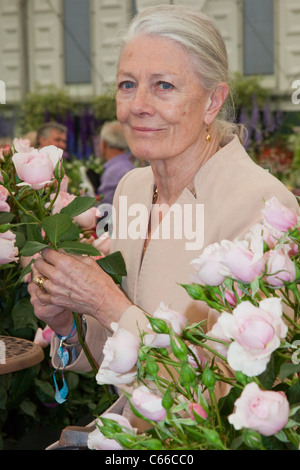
88, 219
266, 412
121, 350
8, 251
22, 145
36, 168
148, 404
97, 440
280, 267
175, 320
278, 216
243, 264
255, 333
63, 199
208, 266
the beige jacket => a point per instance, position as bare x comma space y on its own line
232, 189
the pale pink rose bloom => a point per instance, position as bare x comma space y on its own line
217, 333
242, 263
97, 440
121, 350
264, 411
209, 269
280, 267
107, 376
36, 168
103, 244
175, 320
256, 332
63, 199
198, 409
43, 336
88, 219
278, 216
8, 251
148, 404
22, 145
4, 206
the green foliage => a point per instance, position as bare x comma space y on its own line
54, 101
243, 89
104, 107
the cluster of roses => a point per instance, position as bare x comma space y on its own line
247, 280
36, 170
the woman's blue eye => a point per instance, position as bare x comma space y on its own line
126, 85
165, 85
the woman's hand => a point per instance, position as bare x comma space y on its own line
78, 284
58, 319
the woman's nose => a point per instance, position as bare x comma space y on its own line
143, 101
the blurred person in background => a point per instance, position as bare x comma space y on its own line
52, 133
118, 159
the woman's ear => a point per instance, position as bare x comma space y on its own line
215, 102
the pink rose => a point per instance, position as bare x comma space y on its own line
8, 250
120, 356
121, 350
148, 404
4, 206
87, 220
22, 145
255, 333
103, 244
280, 267
63, 199
36, 168
175, 320
266, 412
279, 216
242, 263
198, 409
208, 266
97, 440
43, 337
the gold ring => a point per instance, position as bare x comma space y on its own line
39, 281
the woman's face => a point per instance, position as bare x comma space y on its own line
160, 101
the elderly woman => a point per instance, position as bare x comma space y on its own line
172, 83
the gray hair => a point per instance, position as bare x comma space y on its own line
198, 34
46, 128
112, 134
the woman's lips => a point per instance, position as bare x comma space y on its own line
145, 129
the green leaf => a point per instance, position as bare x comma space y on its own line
6, 217
56, 226
288, 369
23, 316
78, 205
114, 265
79, 248
44, 391
31, 248
28, 408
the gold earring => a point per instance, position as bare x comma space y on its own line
207, 137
